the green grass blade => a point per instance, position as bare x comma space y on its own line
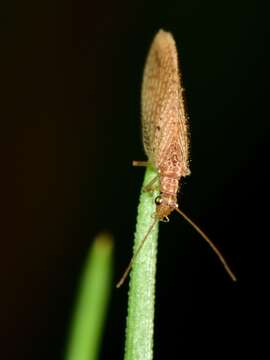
93, 295
141, 302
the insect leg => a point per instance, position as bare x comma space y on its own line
152, 185
149, 187
140, 163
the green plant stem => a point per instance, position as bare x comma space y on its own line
93, 295
141, 302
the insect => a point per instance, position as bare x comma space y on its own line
165, 133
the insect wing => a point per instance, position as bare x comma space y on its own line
163, 116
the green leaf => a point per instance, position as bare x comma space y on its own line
93, 296
141, 302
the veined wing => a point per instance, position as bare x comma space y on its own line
163, 113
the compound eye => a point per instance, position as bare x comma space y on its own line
158, 200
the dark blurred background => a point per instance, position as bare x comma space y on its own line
70, 91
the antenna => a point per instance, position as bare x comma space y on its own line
124, 276
206, 238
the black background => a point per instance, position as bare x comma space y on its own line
70, 91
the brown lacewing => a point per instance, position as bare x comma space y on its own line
165, 133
